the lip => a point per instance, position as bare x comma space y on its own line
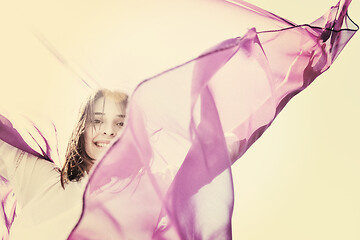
101, 143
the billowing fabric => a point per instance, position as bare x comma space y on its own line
225, 98
169, 174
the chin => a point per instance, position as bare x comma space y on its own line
97, 156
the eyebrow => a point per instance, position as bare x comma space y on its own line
100, 113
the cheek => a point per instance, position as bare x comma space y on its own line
90, 133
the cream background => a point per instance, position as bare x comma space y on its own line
299, 181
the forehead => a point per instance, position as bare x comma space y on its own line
108, 106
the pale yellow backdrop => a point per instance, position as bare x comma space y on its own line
299, 181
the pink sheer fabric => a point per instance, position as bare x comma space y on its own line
169, 175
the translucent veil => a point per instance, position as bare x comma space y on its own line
169, 174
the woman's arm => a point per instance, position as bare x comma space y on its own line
25, 172
10, 158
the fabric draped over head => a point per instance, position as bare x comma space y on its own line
169, 174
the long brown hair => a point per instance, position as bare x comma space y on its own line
77, 162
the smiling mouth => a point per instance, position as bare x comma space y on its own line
101, 144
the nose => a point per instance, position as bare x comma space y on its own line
108, 130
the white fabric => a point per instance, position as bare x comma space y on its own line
45, 210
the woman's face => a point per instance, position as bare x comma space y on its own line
108, 120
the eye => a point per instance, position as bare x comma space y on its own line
97, 121
120, 124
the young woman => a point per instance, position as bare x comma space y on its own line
177, 118
49, 200
102, 118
